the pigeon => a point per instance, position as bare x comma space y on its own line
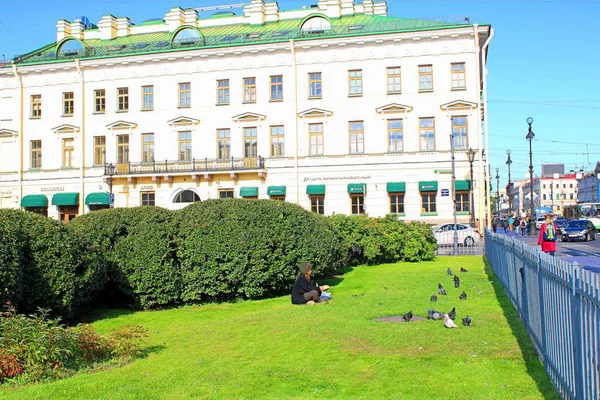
449, 272
441, 290
456, 281
434, 314
433, 298
466, 321
463, 296
448, 323
452, 314
408, 316
463, 270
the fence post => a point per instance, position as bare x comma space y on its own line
576, 335
542, 310
524, 302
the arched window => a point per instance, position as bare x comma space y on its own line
70, 47
187, 35
187, 196
315, 25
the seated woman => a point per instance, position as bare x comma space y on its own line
306, 291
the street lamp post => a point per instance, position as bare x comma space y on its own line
529, 137
471, 156
497, 192
508, 188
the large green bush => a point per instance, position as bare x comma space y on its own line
251, 248
11, 261
137, 244
383, 240
54, 270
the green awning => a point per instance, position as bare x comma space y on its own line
428, 186
98, 198
276, 191
249, 191
315, 189
357, 188
396, 187
462, 185
34, 200
65, 199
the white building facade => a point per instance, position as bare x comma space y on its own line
338, 107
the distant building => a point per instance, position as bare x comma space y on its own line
588, 188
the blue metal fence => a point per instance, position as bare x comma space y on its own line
559, 304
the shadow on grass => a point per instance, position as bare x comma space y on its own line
535, 368
337, 278
99, 313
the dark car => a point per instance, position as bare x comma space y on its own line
579, 229
560, 222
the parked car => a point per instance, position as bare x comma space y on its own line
467, 235
539, 221
560, 222
579, 229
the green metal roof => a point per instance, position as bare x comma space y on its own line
396, 187
354, 188
232, 35
462, 185
276, 190
249, 191
428, 186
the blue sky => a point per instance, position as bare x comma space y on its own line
544, 62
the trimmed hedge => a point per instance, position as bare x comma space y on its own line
385, 240
137, 244
46, 266
251, 248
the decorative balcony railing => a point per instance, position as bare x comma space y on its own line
206, 165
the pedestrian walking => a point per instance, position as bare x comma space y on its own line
547, 238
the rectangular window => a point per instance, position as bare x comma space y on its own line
122, 149
123, 99
185, 94
355, 83
185, 146
68, 103
277, 141
315, 137
100, 101
395, 132
148, 198
462, 202
394, 80
148, 97
427, 133
147, 147
68, 148
397, 203
250, 90
358, 204
356, 132
223, 143
315, 85
99, 150
459, 132
277, 88
250, 143
428, 202
223, 91
36, 154
36, 106
226, 193
317, 204
458, 76
425, 78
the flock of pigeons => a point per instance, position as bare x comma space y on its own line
450, 316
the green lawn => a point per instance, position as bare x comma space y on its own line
270, 349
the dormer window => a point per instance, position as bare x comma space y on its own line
315, 26
187, 36
70, 47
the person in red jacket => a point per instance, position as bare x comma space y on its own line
548, 235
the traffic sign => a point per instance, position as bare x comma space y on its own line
445, 192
